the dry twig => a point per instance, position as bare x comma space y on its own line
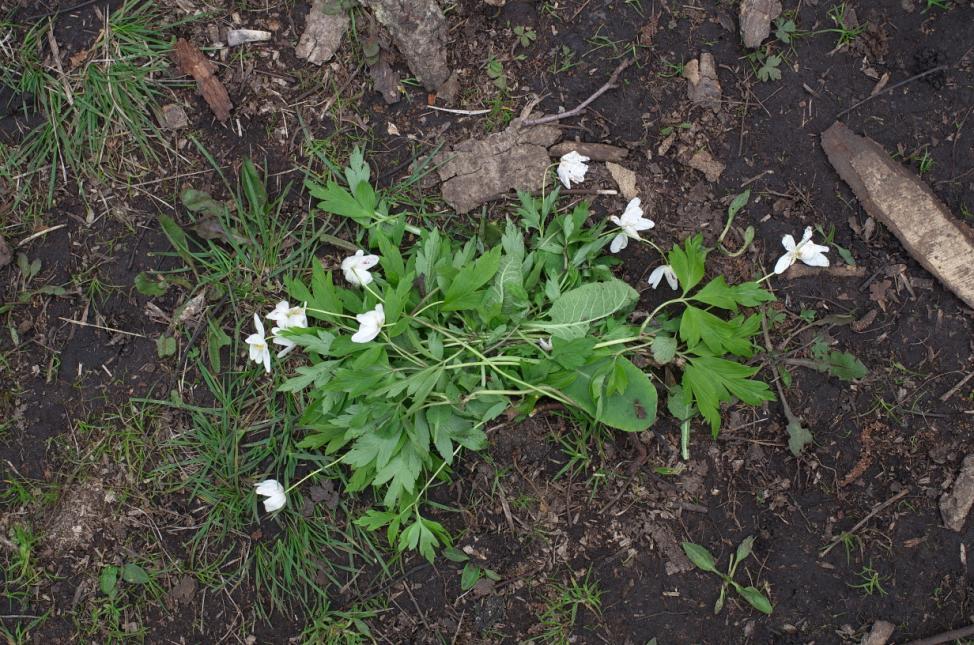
610, 84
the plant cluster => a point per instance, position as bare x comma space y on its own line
427, 340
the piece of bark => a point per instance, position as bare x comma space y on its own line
419, 30
956, 504
192, 61
323, 31
703, 161
625, 179
880, 633
385, 80
897, 198
834, 271
478, 170
594, 151
756, 17
703, 88
173, 117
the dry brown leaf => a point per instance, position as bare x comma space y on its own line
192, 61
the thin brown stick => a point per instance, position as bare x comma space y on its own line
610, 84
838, 538
946, 637
952, 391
915, 77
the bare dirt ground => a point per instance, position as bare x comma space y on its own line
581, 527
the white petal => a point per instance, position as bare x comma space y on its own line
643, 224
784, 262
656, 276
816, 260
258, 325
671, 278
619, 242
266, 355
563, 176
788, 242
807, 235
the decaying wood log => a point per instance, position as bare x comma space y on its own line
897, 198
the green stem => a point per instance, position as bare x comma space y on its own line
310, 475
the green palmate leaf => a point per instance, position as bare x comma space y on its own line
319, 374
717, 293
663, 348
335, 199
718, 335
700, 557
688, 262
312, 340
756, 599
713, 381
461, 292
374, 519
573, 310
750, 294
632, 410
798, 437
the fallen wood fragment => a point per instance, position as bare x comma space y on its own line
323, 31
897, 198
420, 32
835, 271
756, 17
478, 170
594, 151
192, 61
956, 504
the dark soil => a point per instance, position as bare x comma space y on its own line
613, 519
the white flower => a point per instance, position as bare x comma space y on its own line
631, 222
572, 168
356, 268
807, 251
274, 492
665, 271
258, 346
283, 341
288, 317
545, 344
369, 324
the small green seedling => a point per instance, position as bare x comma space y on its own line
674, 69
495, 70
843, 252
735, 207
704, 560
846, 32
525, 35
785, 30
871, 582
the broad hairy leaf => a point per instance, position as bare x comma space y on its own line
573, 310
632, 410
798, 437
756, 599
